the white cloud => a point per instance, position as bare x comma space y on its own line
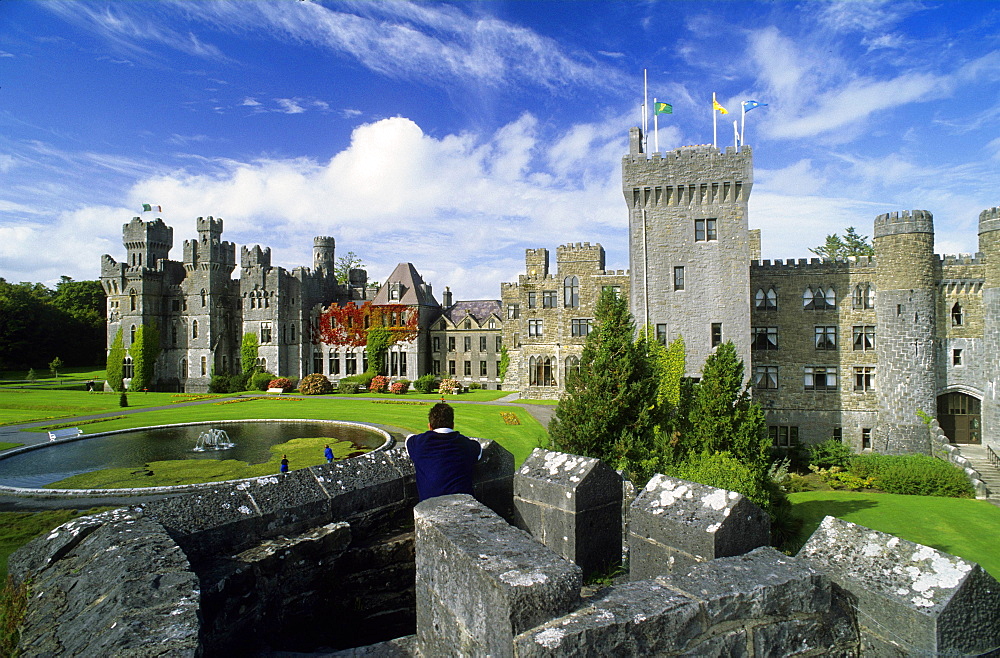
350, 113
7, 162
251, 102
290, 105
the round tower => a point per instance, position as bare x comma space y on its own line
989, 247
904, 344
324, 251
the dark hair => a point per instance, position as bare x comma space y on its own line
441, 415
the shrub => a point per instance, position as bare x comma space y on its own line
346, 385
426, 384
284, 383
726, 472
400, 387
838, 478
450, 386
378, 384
475, 386
123, 400
259, 381
919, 475
315, 384
365, 378
830, 453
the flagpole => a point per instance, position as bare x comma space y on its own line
736, 134
656, 128
743, 122
645, 112
715, 124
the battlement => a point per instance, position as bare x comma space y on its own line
989, 220
904, 221
255, 256
962, 259
818, 265
536, 262
689, 165
152, 232
210, 224
581, 252
324, 241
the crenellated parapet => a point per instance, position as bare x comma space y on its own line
817, 265
904, 221
690, 175
255, 256
581, 253
536, 261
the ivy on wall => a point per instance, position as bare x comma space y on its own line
248, 352
116, 355
145, 349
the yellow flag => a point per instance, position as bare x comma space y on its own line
716, 106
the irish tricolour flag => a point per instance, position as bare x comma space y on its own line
148, 207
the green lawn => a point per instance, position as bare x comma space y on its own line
36, 405
960, 526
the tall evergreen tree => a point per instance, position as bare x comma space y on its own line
144, 352
116, 355
609, 410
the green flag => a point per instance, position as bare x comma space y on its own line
663, 108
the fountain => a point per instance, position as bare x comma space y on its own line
213, 439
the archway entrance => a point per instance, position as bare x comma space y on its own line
959, 416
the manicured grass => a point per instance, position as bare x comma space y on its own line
5, 445
29, 405
960, 526
18, 528
544, 403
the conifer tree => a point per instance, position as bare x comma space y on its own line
609, 410
144, 352
116, 355
248, 352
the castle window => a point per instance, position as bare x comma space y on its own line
783, 436
864, 337
957, 315
393, 291
766, 301
131, 300
614, 290
291, 331
956, 357
704, 230
128, 368
131, 335
451, 368
572, 365
204, 366
175, 305
451, 343
579, 327
499, 342
864, 296
368, 321
436, 367
318, 362
819, 299
864, 378
436, 344
333, 361
262, 363
540, 371
826, 338
765, 377
402, 364
716, 334
393, 363
351, 363
194, 329
661, 334
467, 344
678, 278
482, 369
571, 292
513, 311
534, 327
532, 299
820, 378
765, 338
173, 334
482, 343
866, 438
467, 369
204, 297
492, 324
548, 299
184, 368
284, 334
265, 332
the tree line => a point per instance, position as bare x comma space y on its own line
38, 324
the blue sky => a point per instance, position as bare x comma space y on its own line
456, 135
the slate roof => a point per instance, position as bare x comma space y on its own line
479, 309
413, 291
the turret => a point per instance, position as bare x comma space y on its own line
536, 262
905, 326
147, 242
324, 255
209, 251
989, 245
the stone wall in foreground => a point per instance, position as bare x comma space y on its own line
328, 558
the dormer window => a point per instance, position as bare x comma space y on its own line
394, 290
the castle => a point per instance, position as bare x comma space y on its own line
851, 349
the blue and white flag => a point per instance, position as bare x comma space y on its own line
752, 105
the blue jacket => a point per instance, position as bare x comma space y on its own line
444, 462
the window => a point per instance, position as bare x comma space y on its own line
579, 327
482, 343
204, 366
184, 368
492, 324
716, 334
532, 299
351, 363
571, 292
864, 378
765, 377
317, 362
864, 337
819, 299
864, 296
765, 338
468, 324
783, 436
826, 338
838, 434
704, 230
766, 301
614, 290
482, 368
866, 438
128, 368
957, 315
661, 334
451, 368
451, 343
436, 344
131, 300
956, 357
821, 378
131, 335
467, 344
173, 334
393, 291
291, 332
468, 368
513, 311
436, 366
572, 365
334, 361
194, 329
678, 278
175, 305
402, 364
499, 343
548, 299
540, 371
534, 327
265, 332
204, 297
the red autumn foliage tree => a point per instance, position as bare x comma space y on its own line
348, 325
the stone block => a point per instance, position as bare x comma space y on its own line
675, 524
365, 485
911, 599
493, 480
288, 503
480, 581
571, 504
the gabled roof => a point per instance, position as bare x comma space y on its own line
479, 310
412, 284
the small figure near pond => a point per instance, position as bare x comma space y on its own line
328, 453
284, 464
444, 459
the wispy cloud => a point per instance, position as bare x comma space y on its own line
289, 105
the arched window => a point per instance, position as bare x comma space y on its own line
766, 301
173, 334
807, 298
571, 292
128, 368
292, 333
194, 329
204, 297
131, 300
131, 335
831, 298
957, 315
572, 365
864, 296
184, 368
540, 374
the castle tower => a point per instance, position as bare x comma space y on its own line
689, 246
536, 262
324, 254
905, 329
147, 242
989, 246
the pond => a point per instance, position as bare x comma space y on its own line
133, 448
